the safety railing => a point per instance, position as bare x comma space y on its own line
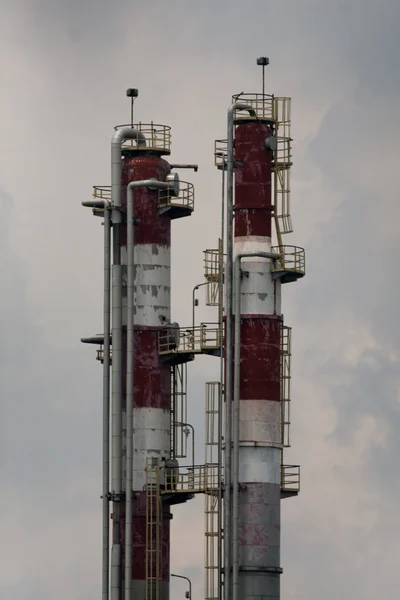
283, 154
290, 478
184, 200
212, 263
220, 153
102, 192
263, 104
292, 260
200, 479
191, 340
157, 138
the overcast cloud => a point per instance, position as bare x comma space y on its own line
65, 66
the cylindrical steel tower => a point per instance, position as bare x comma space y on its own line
144, 359
152, 377
260, 333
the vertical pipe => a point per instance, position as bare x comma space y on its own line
106, 403
228, 369
116, 420
220, 398
116, 472
235, 458
129, 393
236, 418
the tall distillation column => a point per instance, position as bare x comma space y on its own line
157, 197
257, 353
152, 377
260, 332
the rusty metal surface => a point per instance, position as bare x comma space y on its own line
152, 377
259, 529
139, 538
252, 181
260, 358
152, 227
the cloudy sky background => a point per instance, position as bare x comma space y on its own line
65, 66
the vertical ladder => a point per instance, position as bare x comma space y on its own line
281, 166
213, 499
179, 440
153, 530
286, 335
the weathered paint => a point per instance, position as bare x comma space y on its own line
152, 377
151, 227
152, 296
260, 370
260, 358
259, 464
139, 538
252, 180
260, 422
259, 529
151, 434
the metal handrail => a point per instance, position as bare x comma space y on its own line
190, 480
290, 478
264, 105
185, 198
190, 339
292, 259
157, 137
165, 198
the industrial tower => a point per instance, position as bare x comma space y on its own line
145, 356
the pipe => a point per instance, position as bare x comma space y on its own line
221, 390
120, 135
228, 374
196, 287
188, 580
236, 418
106, 401
116, 165
193, 451
153, 183
176, 166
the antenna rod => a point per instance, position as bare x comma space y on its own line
263, 61
132, 93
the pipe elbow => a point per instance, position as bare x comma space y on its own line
128, 133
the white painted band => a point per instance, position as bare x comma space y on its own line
260, 293
254, 243
261, 465
151, 438
152, 302
260, 422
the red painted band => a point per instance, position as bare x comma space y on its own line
252, 180
139, 520
152, 377
152, 228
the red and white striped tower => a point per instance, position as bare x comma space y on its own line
152, 377
260, 408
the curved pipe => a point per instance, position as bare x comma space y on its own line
228, 374
130, 357
126, 133
236, 418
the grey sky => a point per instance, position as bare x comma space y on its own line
65, 67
